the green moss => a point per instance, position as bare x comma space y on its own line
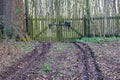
17, 10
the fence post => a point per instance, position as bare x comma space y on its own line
87, 20
59, 28
85, 27
26, 15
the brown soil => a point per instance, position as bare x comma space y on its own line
64, 61
9, 53
108, 58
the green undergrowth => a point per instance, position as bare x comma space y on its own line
47, 67
97, 39
25, 46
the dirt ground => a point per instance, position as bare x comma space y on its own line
108, 58
57, 61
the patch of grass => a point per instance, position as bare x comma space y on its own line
27, 47
97, 39
47, 67
60, 48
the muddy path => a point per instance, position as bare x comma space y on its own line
74, 61
91, 68
26, 63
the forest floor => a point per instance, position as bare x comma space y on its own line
59, 61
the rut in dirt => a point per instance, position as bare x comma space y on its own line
91, 68
30, 63
26, 63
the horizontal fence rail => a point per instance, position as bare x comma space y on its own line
91, 18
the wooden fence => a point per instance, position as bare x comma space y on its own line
48, 20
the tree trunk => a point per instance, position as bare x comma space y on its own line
13, 12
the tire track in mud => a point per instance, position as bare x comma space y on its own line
28, 62
91, 68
